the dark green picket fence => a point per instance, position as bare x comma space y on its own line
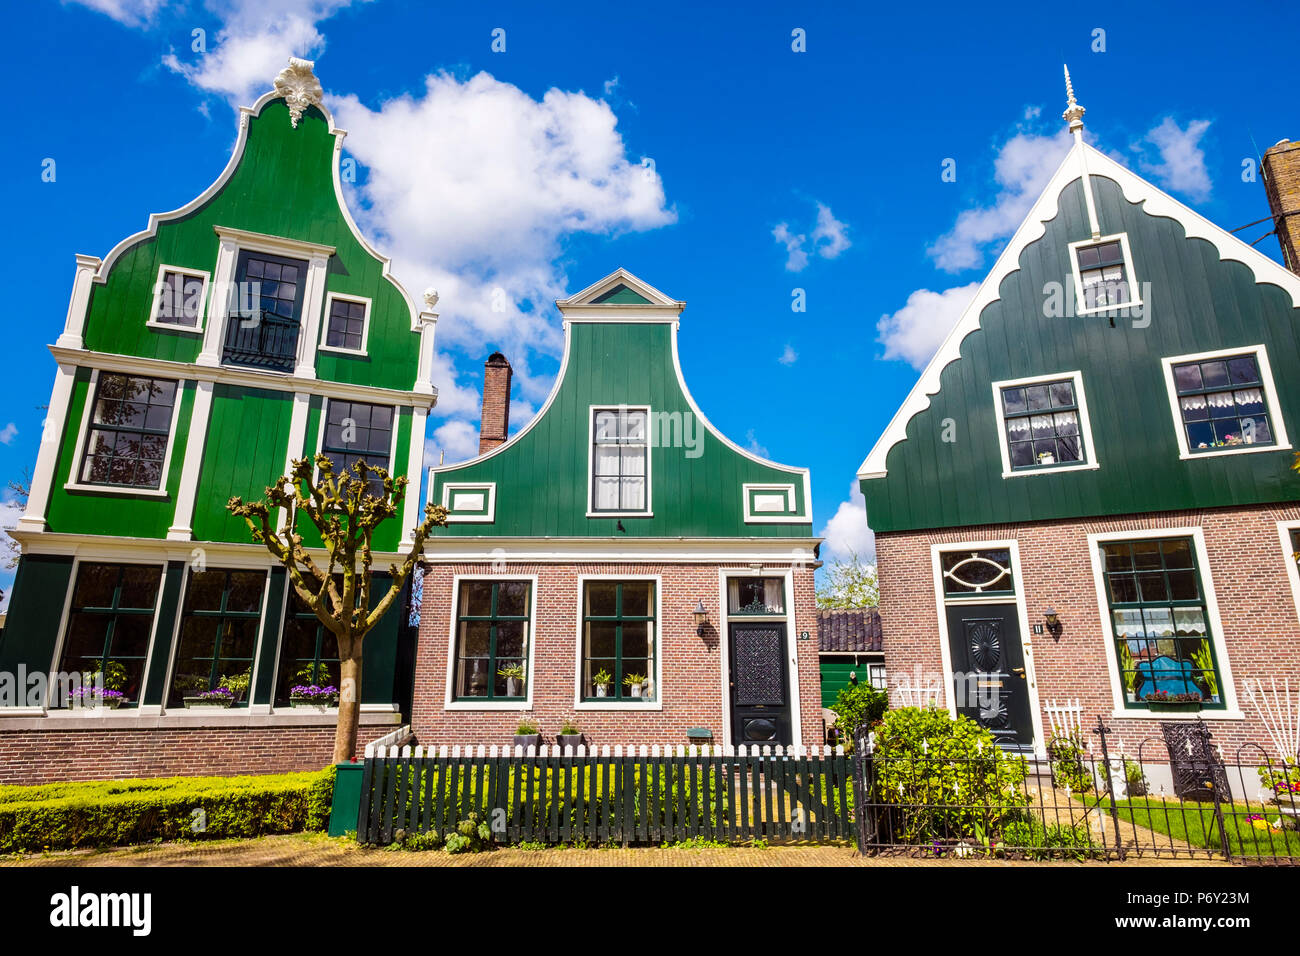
627, 796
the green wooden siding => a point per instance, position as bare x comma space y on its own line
246, 450
283, 187
87, 512
1197, 303
835, 676
542, 477
32, 624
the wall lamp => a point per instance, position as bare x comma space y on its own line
1053, 623
701, 617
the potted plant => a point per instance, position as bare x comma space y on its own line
1162, 701
93, 697
601, 679
1281, 783
528, 734
237, 684
218, 697
514, 675
569, 735
312, 697
634, 683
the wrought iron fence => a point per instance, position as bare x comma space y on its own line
626, 796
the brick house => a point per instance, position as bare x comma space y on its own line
1088, 495
617, 562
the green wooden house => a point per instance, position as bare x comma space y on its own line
618, 563
1086, 504
251, 326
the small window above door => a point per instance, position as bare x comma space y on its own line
755, 595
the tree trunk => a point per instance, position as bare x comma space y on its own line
345, 734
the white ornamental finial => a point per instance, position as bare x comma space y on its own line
430, 298
1073, 111
299, 87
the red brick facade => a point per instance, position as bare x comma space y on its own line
1247, 568
53, 754
691, 692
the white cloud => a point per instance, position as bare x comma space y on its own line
754, 448
831, 235
796, 258
847, 533
1022, 169
255, 41
829, 239
132, 13
915, 332
1182, 160
453, 441
8, 433
788, 356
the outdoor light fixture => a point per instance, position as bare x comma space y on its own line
701, 617
1053, 623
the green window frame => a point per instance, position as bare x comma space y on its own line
618, 640
1156, 600
1043, 420
1223, 403
110, 624
493, 621
221, 621
308, 651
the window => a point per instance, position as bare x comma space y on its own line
355, 431
1161, 631
1103, 274
109, 624
220, 620
619, 456
1042, 424
345, 324
262, 330
130, 422
985, 571
618, 640
178, 299
491, 641
755, 596
876, 674
308, 651
1221, 403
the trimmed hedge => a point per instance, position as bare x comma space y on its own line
61, 816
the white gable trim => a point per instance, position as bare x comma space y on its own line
1136, 190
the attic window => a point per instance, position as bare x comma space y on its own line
1103, 274
620, 457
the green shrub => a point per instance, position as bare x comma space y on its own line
1032, 838
61, 816
857, 708
1068, 766
943, 778
471, 836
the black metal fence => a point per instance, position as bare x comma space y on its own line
627, 796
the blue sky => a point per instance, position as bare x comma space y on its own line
693, 146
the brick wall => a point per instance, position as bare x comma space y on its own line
1282, 186
1247, 567
43, 756
691, 689
494, 425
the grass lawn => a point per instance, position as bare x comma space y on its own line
1196, 824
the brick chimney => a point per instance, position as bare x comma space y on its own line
1282, 185
494, 426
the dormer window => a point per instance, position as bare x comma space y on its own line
620, 457
1103, 274
265, 312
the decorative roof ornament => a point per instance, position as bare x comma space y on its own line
299, 87
1073, 111
430, 298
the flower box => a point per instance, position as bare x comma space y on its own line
196, 703
320, 707
1165, 703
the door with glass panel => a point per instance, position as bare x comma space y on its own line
757, 652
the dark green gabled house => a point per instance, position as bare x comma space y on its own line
618, 562
1086, 504
249, 327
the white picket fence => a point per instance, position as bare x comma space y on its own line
382, 751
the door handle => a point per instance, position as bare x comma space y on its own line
1019, 671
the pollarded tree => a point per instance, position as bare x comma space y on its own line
346, 509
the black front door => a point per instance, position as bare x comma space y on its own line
988, 668
760, 689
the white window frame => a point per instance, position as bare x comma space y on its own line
1085, 425
74, 482
1284, 529
1231, 710
790, 516
153, 321
1280, 440
591, 463
325, 324
526, 704
616, 705
489, 488
1135, 298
